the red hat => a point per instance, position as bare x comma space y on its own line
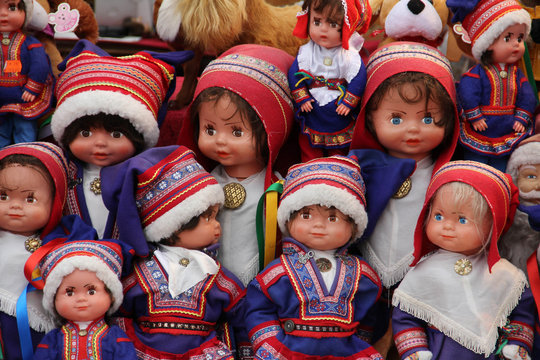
258, 74
356, 19
495, 187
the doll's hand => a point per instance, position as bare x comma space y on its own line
518, 127
420, 355
343, 110
479, 125
307, 107
27, 97
515, 352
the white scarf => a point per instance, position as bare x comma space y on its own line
345, 65
389, 250
13, 256
183, 277
467, 308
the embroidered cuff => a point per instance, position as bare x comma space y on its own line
523, 337
413, 339
351, 100
523, 117
33, 87
259, 336
473, 115
301, 95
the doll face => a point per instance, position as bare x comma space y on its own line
206, 233
320, 228
82, 296
324, 31
407, 130
455, 228
224, 136
26, 198
11, 17
100, 147
509, 46
528, 182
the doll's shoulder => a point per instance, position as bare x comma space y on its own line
271, 273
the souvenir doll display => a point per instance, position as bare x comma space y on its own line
496, 98
82, 288
240, 118
316, 300
461, 300
327, 78
178, 297
26, 80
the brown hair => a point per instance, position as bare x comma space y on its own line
335, 8
31, 162
242, 106
191, 224
105, 121
426, 88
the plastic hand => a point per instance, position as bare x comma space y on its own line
307, 107
515, 352
420, 355
343, 110
27, 97
518, 127
479, 125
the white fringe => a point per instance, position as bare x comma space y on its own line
480, 345
37, 319
389, 276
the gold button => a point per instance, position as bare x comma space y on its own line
83, 332
184, 262
235, 195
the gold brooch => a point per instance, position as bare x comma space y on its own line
83, 332
184, 262
5, 41
235, 195
327, 61
323, 264
463, 267
32, 243
403, 189
503, 74
95, 186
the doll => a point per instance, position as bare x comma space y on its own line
522, 239
328, 77
461, 300
108, 110
241, 116
33, 185
26, 90
496, 98
82, 287
177, 297
316, 300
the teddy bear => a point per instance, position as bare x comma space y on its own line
44, 14
211, 27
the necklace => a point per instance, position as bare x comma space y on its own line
95, 186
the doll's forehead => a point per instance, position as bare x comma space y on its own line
524, 167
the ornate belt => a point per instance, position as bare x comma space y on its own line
290, 326
332, 84
175, 325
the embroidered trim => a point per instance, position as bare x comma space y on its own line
300, 94
410, 339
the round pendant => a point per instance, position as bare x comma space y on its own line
32, 244
403, 189
184, 262
83, 332
235, 195
463, 267
323, 264
5, 41
503, 74
95, 186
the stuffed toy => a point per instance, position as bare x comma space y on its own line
87, 27
211, 27
411, 20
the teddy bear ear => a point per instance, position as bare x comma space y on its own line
169, 19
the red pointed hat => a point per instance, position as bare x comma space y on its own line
495, 187
357, 18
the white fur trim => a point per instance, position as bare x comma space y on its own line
169, 20
165, 225
111, 102
324, 195
39, 19
401, 22
488, 37
29, 4
526, 154
90, 263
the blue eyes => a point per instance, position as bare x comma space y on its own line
463, 221
427, 120
396, 120
438, 217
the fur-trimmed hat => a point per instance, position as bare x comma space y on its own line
487, 20
526, 153
133, 87
29, 9
495, 187
103, 257
331, 181
53, 158
356, 19
174, 191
